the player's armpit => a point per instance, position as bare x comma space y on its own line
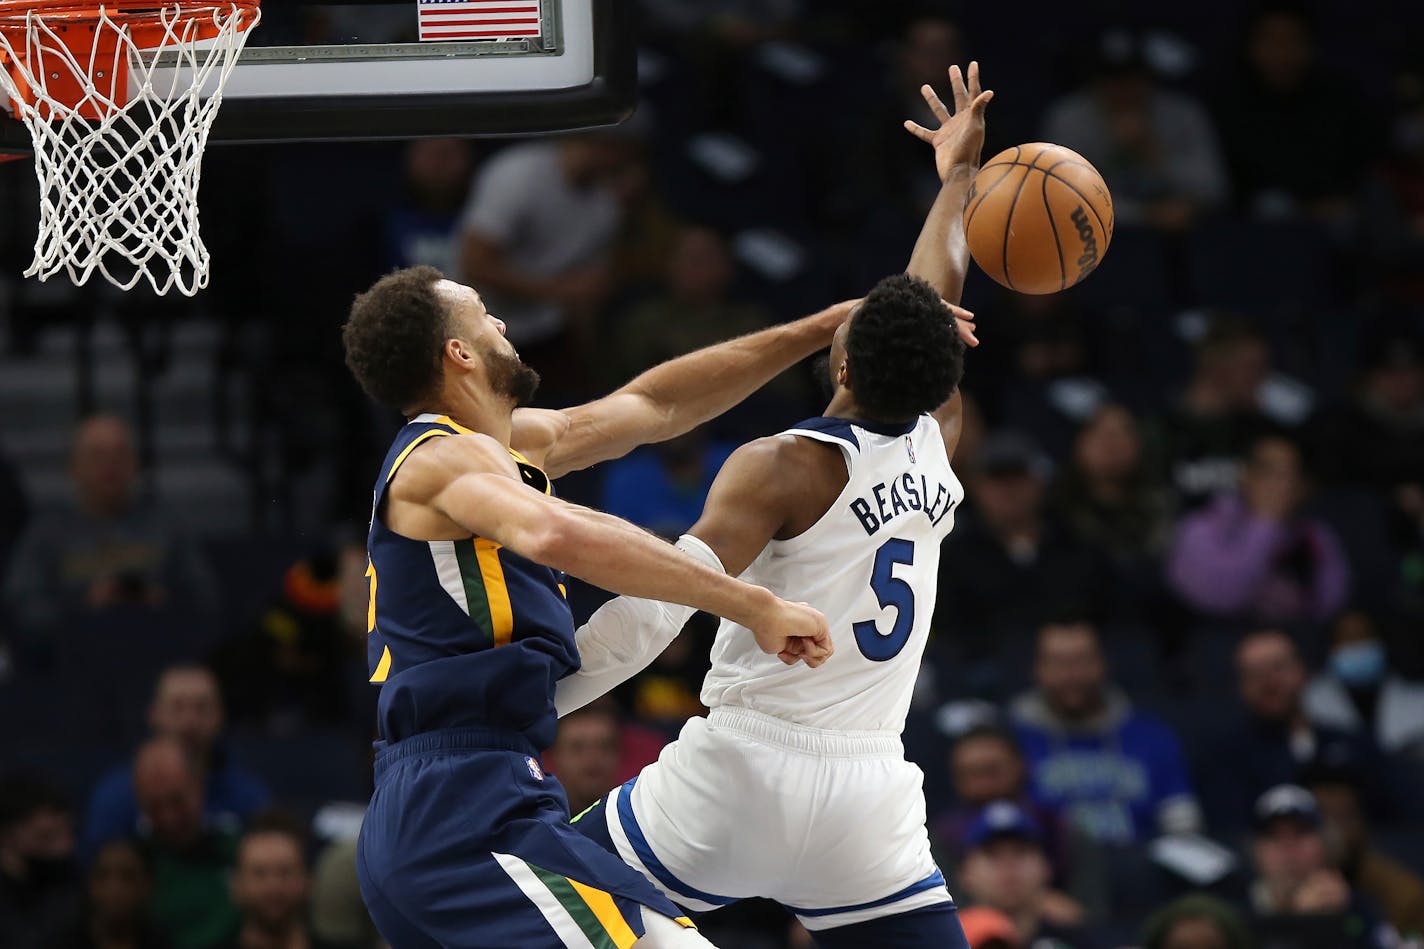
748, 503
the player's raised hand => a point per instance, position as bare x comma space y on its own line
794, 631
960, 137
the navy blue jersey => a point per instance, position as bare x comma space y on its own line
462, 632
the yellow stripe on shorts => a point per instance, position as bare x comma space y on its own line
608, 914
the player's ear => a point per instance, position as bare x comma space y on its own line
460, 352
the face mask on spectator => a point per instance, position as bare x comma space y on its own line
1359, 663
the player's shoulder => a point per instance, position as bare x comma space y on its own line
434, 462
785, 452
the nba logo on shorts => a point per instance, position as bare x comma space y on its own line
910, 448
536, 772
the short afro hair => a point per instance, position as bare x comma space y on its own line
904, 351
394, 337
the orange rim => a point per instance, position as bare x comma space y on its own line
149, 24
144, 18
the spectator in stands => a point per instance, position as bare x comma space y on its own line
1116, 774
1273, 107
1107, 494
884, 171
339, 915
422, 226
186, 707
691, 308
107, 549
1007, 567
1392, 204
1376, 440
1254, 555
271, 888
192, 856
537, 234
1387, 883
663, 487
585, 755
116, 914
1295, 889
1005, 869
987, 765
987, 928
1232, 400
1156, 146
1276, 741
1358, 692
295, 667
1196, 922
38, 884
1051, 390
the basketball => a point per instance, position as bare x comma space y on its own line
1039, 218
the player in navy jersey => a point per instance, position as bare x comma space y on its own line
466, 842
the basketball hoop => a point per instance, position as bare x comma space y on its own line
118, 98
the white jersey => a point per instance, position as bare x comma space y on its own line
870, 565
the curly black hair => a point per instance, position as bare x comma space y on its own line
904, 352
394, 337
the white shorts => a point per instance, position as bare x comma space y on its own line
829, 824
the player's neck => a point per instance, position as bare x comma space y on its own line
843, 405
480, 412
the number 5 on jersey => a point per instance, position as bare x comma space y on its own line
890, 590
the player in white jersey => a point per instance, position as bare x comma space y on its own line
795, 786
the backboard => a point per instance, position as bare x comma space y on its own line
321, 70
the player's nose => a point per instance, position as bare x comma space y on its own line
499, 324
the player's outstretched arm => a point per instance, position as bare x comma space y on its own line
941, 254
671, 398
470, 485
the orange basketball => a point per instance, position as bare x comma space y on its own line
1039, 218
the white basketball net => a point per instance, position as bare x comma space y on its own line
119, 171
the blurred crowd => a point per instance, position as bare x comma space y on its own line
1174, 694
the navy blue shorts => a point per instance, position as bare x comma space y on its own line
467, 845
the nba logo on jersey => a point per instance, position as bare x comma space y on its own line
910, 448
536, 772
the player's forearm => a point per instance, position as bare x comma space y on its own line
623, 636
941, 254
613, 554
691, 389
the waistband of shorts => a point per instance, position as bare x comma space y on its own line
803, 738
452, 740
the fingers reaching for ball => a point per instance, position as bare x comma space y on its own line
963, 323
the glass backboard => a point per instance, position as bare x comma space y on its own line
321, 70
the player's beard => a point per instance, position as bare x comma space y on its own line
510, 377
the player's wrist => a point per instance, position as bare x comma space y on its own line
960, 172
757, 604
